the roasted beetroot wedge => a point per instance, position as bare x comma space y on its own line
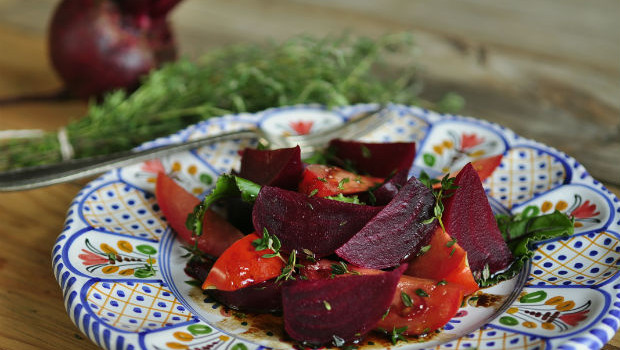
468, 218
320, 311
396, 232
280, 168
376, 159
302, 222
388, 190
262, 297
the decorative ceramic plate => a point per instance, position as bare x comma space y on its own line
121, 268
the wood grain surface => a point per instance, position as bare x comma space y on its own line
549, 70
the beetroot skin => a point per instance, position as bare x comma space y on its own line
396, 232
263, 297
316, 311
376, 159
388, 190
101, 45
468, 218
280, 168
301, 222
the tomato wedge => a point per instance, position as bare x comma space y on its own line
323, 181
176, 203
433, 303
421, 305
444, 261
241, 265
483, 166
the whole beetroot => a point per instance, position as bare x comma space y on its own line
101, 45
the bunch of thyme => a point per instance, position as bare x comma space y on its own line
331, 71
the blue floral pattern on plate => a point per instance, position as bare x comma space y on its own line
121, 268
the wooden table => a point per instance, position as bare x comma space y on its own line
549, 70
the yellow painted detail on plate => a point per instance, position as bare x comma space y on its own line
176, 166
109, 269
555, 300
125, 246
512, 310
548, 326
565, 306
107, 249
183, 336
175, 345
478, 153
224, 338
126, 272
529, 324
561, 205
546, 206
192, 169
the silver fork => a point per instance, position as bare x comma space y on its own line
45, 175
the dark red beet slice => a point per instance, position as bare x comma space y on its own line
279, 168
386, 192
376, 159
468, 218
396, 232
301, 222
317, 311
198, 269
261, 298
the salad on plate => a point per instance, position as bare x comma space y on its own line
347, 243
358, 246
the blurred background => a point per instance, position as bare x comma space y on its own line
548, 69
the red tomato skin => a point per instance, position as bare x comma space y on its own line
328, 181
427, 313
445, 260
483, 166
176, 203
241, 265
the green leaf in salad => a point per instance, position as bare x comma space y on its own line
227, 186
342, 198
521, 231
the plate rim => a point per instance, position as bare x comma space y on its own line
101, 334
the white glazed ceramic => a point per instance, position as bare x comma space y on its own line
567, 299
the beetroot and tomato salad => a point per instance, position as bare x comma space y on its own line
350, 243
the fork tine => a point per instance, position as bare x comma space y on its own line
354, 127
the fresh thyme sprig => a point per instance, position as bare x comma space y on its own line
268, 241
341, 268
398, 335
290, 268
333, 71
272, 242
446, 184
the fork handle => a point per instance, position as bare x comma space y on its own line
44, 175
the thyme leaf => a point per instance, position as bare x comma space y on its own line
444, 190
406, 299
341, 269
